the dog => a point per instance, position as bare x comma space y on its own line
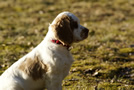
49, 63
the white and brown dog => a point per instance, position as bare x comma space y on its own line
49, 63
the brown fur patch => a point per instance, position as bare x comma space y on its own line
35, 68
63, 30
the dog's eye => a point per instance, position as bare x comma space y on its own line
75, 25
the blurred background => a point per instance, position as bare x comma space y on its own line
104, 61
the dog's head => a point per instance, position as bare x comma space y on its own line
67, 29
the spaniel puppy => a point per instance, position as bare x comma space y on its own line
49, 63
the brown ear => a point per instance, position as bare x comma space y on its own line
63, 30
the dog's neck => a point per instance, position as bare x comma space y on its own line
51, 37
60, 43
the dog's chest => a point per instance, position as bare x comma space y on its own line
59, 61
62, 60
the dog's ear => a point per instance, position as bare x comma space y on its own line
63, 30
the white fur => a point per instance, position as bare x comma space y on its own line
56, 57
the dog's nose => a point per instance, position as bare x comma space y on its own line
85, 30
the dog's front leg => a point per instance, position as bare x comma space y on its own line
54, 83
55, 86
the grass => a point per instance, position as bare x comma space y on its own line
104, 61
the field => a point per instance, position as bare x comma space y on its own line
104, 61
